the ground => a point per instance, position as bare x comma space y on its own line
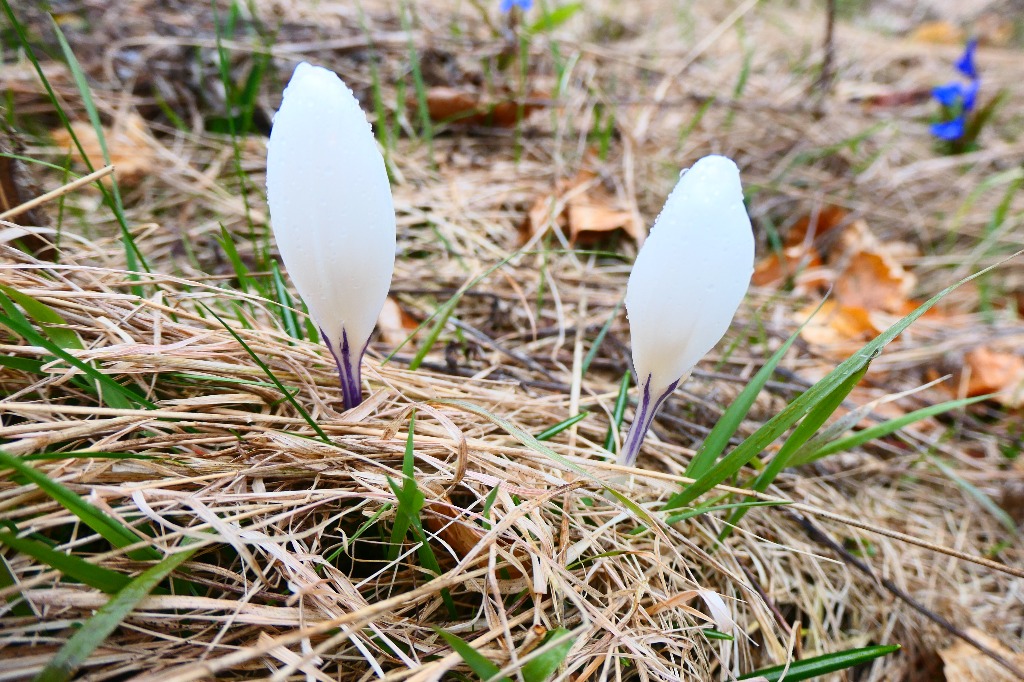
184, 495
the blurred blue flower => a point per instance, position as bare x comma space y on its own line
949, 130
507, 5
965, 64
957, 97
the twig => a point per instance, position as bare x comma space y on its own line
821, 537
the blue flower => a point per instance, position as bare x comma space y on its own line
507, 5
957, 97
949, 130
948, 95
965, 64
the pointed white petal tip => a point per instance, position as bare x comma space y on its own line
331, 211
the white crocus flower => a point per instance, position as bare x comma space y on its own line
688, 280
332, 213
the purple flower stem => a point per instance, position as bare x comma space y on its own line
645, 412
348, 371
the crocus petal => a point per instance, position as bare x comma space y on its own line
688, 280
948, 95
965, 64
949, 130
332, 212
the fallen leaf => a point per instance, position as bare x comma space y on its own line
587, 220
840, 327
793, 262
964, 663
584, 208
992, 371
828, 218
938, 32
394, 323
465, 107
131, 150
874, 281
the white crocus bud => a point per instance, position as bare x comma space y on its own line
332, 213
687, 282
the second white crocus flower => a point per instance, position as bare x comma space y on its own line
332, 214
687, 282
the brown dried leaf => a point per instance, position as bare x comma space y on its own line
874, 281
840, 327
585, 208
964, 663
993, 371
394, 323
464, 107
131, 151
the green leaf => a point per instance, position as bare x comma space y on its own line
113, 531
68, 564
476, 661
730, 464
133, 256
20, 609
884, 429
801, 434
227, 243
730, 421
553, 431
699, 511
618, 412
285, 303
553, 19
47, 319
822, 665
289, 396
112, 392
96, 630
408, 516
544, 665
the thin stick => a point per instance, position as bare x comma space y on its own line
59, 192
819, 535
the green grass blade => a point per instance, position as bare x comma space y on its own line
618, 412
68, 564
699, 511
409, 514
133, 256
476, 661
884, 429
540, 668
285, 303
94, 632
822, 665
113, 531
289, 396
47, 318
599, 339
810, 424
21, 609
113, 393
979, 495
549, 433
227, 244
730, 464
727, 425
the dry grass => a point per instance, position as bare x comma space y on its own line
231, 465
